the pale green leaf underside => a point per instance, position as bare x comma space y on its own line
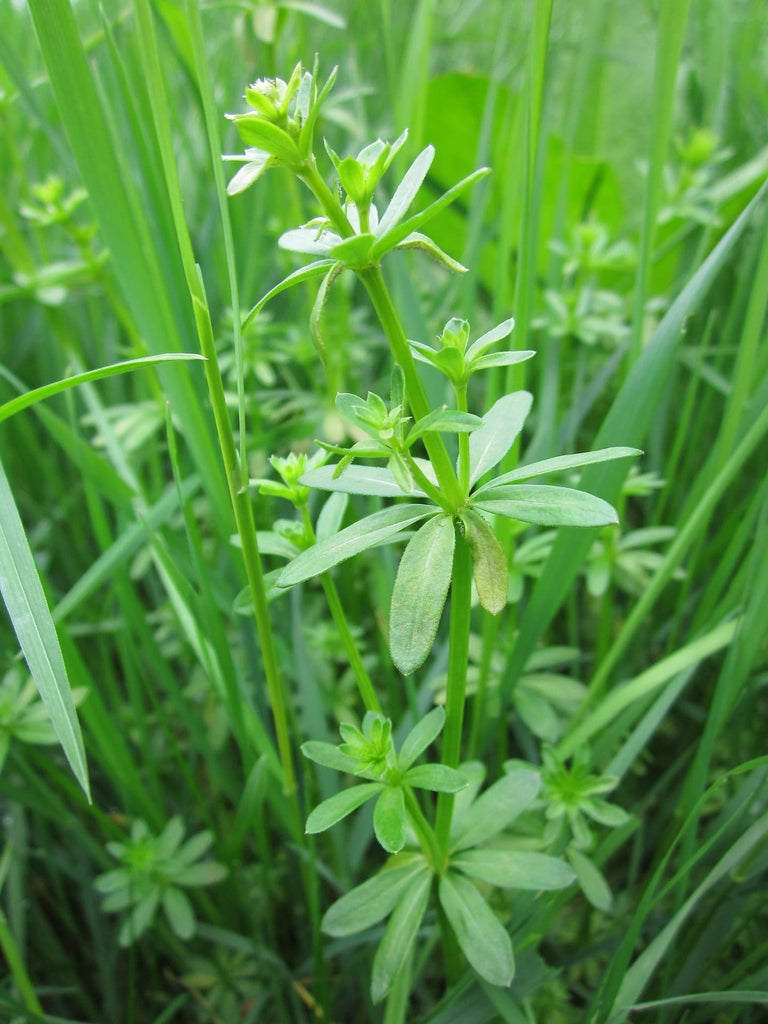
496, 808
560, 464
399, 935
420, 590
547, 505
515, 869
377, 481
369, 903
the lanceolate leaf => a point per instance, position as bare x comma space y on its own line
418, 241
501, 424
389, 819
496, 808
374, 480
406, 191
368, 903
502, 330
366, 533
340, 805
445, 421
593, 885
304, 274
31, 619
489, 563
329, 756
483, 940
547, 506
419, 738
421, 587
559, 464
513, 869
437, 777
399, 935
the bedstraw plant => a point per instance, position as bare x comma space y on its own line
453, 505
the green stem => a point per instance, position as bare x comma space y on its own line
17, 968
364, 684
461, 595
376, 287
426, 485
246, 528
315, 182
461, 401
423, 830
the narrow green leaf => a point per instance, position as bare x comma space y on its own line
489, 563
547, 505
375, 529
501, 424
437, 777
419, 738
31, 620
399, 935
331, 516
515, 869
55, 388
501, 359
559, 464
592, 883
483, 940
405, 192
372, 901
340, 805
318, 307
389, 819
502, 330
208, 873
420, 590
497, 808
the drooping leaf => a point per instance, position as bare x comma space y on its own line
501, 424
419, 738
420, 590
297, 277
489, 563
515, 869
372, 901
389, 819
497, 808
425, 244
318, 306
547, 505
483, 940
340, 805
399, 935
366, 533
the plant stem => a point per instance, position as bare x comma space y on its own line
364, 684
461, 401
17, 968
423, 829
246, 528
426, 485
461, 594
377, 290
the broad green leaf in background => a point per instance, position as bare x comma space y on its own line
496, 808
31, 619
515, 869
